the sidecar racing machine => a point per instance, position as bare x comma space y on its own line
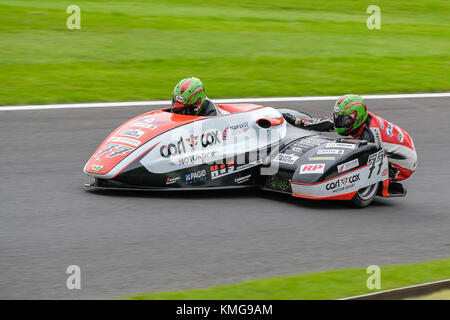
246, 146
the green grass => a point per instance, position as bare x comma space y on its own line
322, 285
138, 50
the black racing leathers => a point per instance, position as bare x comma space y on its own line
208, 109
327, 124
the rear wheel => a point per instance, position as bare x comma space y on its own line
365, 196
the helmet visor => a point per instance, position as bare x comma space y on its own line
343, 121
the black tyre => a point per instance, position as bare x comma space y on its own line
365, 196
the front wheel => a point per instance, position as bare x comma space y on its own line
365, 196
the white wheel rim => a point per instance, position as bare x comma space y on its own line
368, 192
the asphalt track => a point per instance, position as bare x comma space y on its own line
135, 242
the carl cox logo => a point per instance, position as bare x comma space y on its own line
205, 140
342, 182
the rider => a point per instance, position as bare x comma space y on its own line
189, 98
350, 117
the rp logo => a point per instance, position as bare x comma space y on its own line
312, 168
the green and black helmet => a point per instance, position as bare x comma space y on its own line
188, 96
350, 113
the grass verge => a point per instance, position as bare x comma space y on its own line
333, 284
139, 49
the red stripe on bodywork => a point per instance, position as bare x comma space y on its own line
345, 196
239, 107
385, 192
165, 121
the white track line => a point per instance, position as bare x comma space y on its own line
398, 290
238, 100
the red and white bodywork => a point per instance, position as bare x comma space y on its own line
246, 146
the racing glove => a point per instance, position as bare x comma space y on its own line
318, 124
393, 172
290, 118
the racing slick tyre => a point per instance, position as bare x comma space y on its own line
365, 196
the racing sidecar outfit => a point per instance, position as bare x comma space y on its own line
397, 143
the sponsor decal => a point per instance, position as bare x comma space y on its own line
348, 165
304, 147
210, 138
195, 158
195, 177
385, 171
242, 179
133, 133
330, 151
97, 167
342, 183
172, 180
219, 170
350, 140
152, 120
381, 121
297, 149
321, 158
312, 168
179, 98
235, 129
225, 133
248, 165
150, 126
377, 136
243, 127
312, 141
148, 123
340, 145
114, 150
125, 140
373, 159
194, 142
389, 130
286, 158
400, 136
308, 144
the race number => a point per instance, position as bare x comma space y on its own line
374, 159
